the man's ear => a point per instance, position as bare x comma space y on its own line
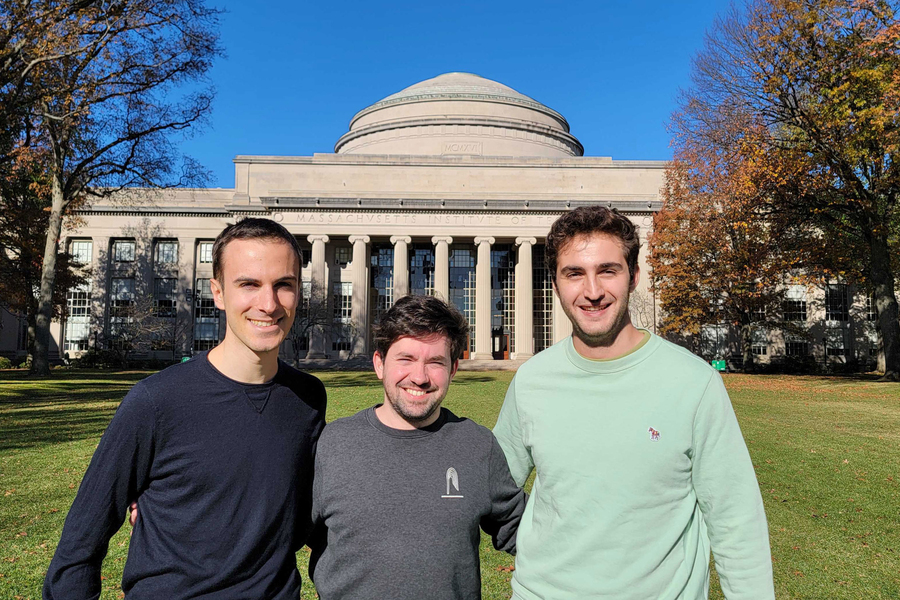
453, 368
635, 279
378, 363
218, 293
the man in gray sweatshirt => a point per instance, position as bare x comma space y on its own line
402, 489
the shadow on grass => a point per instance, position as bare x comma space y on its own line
48, 424
19, 376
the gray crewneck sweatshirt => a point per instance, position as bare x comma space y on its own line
398, 513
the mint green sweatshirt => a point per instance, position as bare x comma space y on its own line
641, 470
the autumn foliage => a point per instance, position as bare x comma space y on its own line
791, 126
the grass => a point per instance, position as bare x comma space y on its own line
826, 450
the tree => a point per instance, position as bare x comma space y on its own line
716, 258
100, 97
818, 85
24, 200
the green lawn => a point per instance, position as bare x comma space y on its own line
827, 453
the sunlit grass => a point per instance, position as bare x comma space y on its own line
826, 450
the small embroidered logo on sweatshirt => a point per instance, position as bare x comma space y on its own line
452, 480
654, 435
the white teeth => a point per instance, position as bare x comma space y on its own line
414, 392
262, 323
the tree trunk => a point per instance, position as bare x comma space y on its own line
886, 305
747, 347
40, 365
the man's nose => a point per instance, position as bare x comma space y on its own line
418, 374
266, 300
593, 288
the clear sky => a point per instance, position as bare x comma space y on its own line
296, 72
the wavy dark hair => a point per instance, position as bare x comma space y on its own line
588, 220
251, 229
422, 317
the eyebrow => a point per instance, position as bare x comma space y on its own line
600, 267
246, 279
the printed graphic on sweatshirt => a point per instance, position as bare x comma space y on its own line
654, 435
452, 480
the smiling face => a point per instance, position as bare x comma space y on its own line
593, 285
258, 292
416, 374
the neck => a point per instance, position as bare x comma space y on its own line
624, 341
238, 362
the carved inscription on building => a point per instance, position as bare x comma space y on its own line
439, 219
461, 148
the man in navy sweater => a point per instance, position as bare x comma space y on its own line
218, 449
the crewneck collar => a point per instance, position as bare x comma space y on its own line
375, 422
614, 365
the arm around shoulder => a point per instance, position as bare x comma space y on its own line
118, 472
729, 497
508, 431
507, 502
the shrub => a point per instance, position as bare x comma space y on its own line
5, 363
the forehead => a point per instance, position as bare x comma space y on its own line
599, 247
258, 253
432, 345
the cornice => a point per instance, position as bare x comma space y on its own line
294, 203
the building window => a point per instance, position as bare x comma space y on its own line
421, 270
342, 255
82, 251
871, 311
794, 305
164, 297
758, 314
834, 342
206, 318
205, 252
343, 309
462, 285
796, 348
78, 303
503, 297
123, 251
381, 280
299, 335
837, 302
305, 257
759, 342
167, 252
542, 300
121, 301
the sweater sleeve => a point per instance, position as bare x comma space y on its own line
118, 472
507, 503
729, 497
508, 431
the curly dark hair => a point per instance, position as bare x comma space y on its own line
251, 229
422, 317
587, 220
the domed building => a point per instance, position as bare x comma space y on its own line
447, 187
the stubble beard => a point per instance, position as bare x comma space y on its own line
605, 337
400, 407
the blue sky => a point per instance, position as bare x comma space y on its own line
296, 72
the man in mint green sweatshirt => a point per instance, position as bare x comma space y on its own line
640, 465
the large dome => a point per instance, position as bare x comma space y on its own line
459, 114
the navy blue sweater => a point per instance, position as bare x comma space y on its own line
222, 472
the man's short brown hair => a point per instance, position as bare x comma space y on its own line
588, 220
251, 229
422, 317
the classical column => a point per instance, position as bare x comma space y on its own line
442, 266
401, 265
360, 307
318, 293
562, 326
483, 299
524, 300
